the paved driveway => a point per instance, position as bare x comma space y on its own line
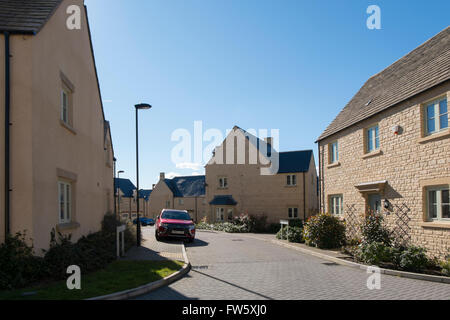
233, 266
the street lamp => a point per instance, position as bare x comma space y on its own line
142, 106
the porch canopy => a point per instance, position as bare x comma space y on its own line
223, 200
376, 186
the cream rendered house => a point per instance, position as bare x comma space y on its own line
126, 205
236, 182
56, 169
180, 193
388, 150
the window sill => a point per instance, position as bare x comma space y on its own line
291, 186
333, 165
436, 225
372, 154
66, 126
67, 226
434, 136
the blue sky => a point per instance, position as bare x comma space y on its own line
290, 65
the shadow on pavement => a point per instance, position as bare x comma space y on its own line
196, 243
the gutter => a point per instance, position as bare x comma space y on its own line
7, 133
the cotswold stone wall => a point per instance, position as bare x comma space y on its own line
409, 162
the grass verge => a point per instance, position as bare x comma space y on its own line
118, 276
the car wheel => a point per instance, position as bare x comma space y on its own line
158, 238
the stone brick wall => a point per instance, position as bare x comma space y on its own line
408, 161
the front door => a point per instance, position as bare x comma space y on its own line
220, 213
374, 203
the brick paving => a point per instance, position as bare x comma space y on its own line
233, 266
153, 250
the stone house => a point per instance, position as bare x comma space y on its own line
236, 182
126, 205
180, 193
56, 169
388, 150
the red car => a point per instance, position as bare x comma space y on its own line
174, 223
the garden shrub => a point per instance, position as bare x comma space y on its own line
281, 234
373, 230
257, 224
374, 253
324, 231
296, 223
18, 266
445, 265
413, 259
295, 234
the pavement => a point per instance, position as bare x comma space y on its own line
243, 266
153, 250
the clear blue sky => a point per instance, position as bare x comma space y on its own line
290, 65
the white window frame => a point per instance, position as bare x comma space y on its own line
223, 182
437, 116
180, 201
291, 180
65, 202
334, 152
371, 136
438, 190
336, 201
292, 211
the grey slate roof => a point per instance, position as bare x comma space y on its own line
26, 16
289, 162
125, 185
190, 186
145, 194
421, 69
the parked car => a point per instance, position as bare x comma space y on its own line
176, 224
145, 221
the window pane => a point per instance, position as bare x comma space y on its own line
445, 195
336, 153
432, 205
294, 180
377, 139
290, 212
443, 121
430, 111
61, 202
443, 106
295, 212
67, 202
288, 182
369, 140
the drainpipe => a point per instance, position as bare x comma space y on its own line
7, 134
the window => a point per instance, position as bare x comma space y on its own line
220, 212
65, 201
436, 115
230, 214
336, 204
293, 213
438, 203
223, 182
372, 139
204, 201
181, 201
65, 106
291, 180
334, 152
168, 204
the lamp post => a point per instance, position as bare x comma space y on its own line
141, 106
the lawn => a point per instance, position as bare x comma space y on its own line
118, 276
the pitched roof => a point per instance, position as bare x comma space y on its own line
145, 194
224, 200
190, 186
289, 162
294, 161
125, 185
421, 69
26, 16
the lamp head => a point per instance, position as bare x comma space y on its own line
143, 106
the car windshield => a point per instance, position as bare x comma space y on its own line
176, 215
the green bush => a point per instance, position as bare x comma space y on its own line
413, 259
295, 234
374, 253
296, 223
373, 230
257, 224
18, 266
445, 265
281, 234
324, 231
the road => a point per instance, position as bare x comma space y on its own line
234, 266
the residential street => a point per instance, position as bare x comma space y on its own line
238, 266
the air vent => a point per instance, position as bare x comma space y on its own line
369, 102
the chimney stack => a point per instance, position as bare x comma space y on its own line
153, 186
162, 176
268, 140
